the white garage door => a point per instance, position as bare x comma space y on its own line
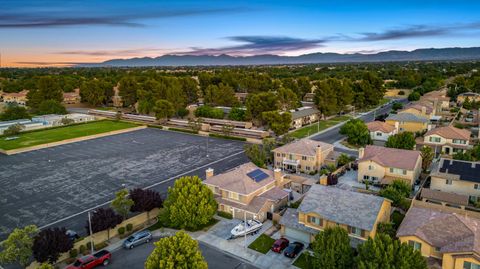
297, 235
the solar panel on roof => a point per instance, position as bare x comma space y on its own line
257, 175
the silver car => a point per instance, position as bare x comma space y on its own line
137, 239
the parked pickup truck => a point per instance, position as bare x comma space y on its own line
91, 261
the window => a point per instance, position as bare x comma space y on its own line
457, 150
233, 195
470, 265
435, 139
304, 158
356, 231
307, 167
290, 156
459, 141
475, 186
448, 182
398, 171
315, 220
366, 177
379, 134
437, 249
283, 154
371, 167
415, 245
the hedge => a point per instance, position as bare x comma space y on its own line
228, 137
183, 130
225, 215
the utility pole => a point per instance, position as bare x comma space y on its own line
91, 234
245, 227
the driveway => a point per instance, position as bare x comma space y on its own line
350, 179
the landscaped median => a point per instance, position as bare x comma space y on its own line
318, 126
65, 134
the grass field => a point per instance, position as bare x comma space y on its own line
58, 134
262, 244
304, 261
317, 127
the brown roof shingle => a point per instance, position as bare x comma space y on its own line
390, 157
304, 147
375, 126
447, 197
450, 132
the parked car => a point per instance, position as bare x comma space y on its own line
279, 245
293, 249
137, 239
102, 257
72, 235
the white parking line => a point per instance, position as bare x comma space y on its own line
148, 187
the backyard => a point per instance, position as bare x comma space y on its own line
62, 133
318, 126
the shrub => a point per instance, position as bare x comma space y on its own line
183, 130
129, 227
209, 112
83, 250
13, 129
227, 137
401, 92
225, 215
100, 245
121, 230
73, 253
295, 204
89, 245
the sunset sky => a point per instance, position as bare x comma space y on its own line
53, 32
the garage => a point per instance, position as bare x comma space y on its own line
297, 235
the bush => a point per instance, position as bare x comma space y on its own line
183, 130
227, 137
83, 250
129, 227
73, 253
225, 215
100, 245
397, 219
89, 245
13, 129
182, 112
121, 230
209, 112
295, 204
401, 92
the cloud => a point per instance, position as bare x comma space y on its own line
121, 52
255, 45
49, 63
43, 18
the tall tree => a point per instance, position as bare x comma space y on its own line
427, 157
287, 99
163, 110
261, 102
104, 219
345, 93
189, 203
332, 250
383, 252
326, 98
128, 88
92, 92
145, 200
279, 123
122, 203
256, 154
14, 112
357, 132
178, 251
190, 88
221, 95
51, 106
405, 140
50, 243
17, 248
47, 88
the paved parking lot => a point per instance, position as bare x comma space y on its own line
50, 185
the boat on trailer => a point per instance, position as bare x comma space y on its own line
252, 226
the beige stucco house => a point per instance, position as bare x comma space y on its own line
304, 116
446, 140
383, 165
448, 240
471, 96
421, 109
381, 131
408, 122
247, 191
456, 176
304, 155
439, 100
330, 206
19, 98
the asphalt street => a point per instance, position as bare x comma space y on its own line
333, 135
48, 186
135, 258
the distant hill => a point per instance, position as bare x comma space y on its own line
443, 54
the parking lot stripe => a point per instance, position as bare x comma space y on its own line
148, 187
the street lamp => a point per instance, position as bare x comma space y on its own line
207, 146
90, 228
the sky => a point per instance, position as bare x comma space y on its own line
65, 32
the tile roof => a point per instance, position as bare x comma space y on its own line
448, 197
303, 112
450, 132
343, 206
409, 117
391, 157
253, 207
450, 232
274, 194
303, 146
375, 126
236, 180
419, 107
290, 219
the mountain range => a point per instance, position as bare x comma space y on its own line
431, 54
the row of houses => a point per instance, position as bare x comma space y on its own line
20, 98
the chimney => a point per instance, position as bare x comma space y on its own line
277, 175
209, 173
397, 126
424, 110
361, 152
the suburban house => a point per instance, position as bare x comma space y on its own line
456, 176
439, 100
446, 140
71, 97
304, 155
381, 131
421, 109
309, 97
472, 96
241, 96
247, 191
408, 122
449, 240
384, 165
19, 98
304, 116
330, 206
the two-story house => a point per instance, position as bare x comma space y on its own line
446, 140
304, 116
330, 206
19, 98
381, 131
439, 100
384, 165
247, 191
304, 155
421, 109
456, 176
408, 122
471, 96
449, 240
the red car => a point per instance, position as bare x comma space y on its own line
91, 261
280, 244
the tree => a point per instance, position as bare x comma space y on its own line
104, 219
66, 121
122, 203
17, 248
279, 123
45, 266
46, 88
237, 114
397, 192
178, 251
50, 243
128, 88
14, 112
326, 98
163, 110
93, 92
256, 104
343, 159
405, 140
209, 112
189, 204
427, 157
384, 252
51, 107
221, 95
287, 99
414, 96
182, 112
332, 249
145, 200
396, 106
357, 132
14, 129
256, 155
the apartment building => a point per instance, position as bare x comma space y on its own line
408, 122
304, 116
471, 96
19, 98
446, 140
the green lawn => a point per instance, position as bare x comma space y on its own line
317, 127
262, 244
303, 261
62, 133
